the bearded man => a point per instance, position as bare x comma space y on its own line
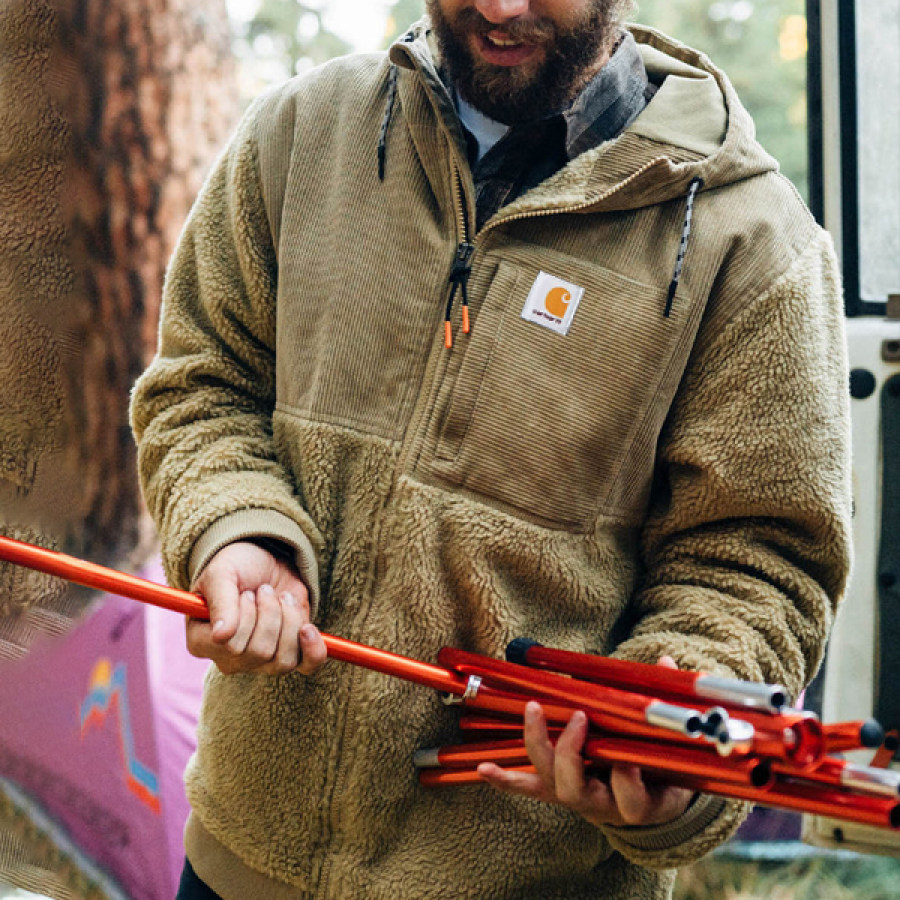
513, 330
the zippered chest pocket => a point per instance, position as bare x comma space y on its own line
561, 427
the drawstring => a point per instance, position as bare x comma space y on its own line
459, 278
386, 121
693, 187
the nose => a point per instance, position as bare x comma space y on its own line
500, 11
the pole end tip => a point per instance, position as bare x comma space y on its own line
871, 734
517, 650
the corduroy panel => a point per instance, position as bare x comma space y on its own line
540, 420
361, 288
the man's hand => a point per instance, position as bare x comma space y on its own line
258, 615
560, 778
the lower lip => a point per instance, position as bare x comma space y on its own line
504, 56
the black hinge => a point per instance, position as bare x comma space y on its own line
887, 707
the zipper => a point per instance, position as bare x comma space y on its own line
535, 213
462, 262
459, 275
465, 249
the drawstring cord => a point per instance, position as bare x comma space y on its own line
386, 121
693, 187
459, 278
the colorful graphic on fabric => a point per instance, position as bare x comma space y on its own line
109, 686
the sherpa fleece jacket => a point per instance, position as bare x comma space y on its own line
646, 483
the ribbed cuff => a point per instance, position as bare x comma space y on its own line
259, 523
702, 812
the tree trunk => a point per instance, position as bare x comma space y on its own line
111, 112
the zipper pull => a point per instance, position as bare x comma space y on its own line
459, 278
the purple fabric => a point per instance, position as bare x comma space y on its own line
97, 727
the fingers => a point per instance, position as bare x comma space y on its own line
631, 796
559, 770
528, 784
237, 644
559, 777
259, 614
273, 646
540, 748
222, 594
588, 796
568, 763
640, 804
312, 649
272, 636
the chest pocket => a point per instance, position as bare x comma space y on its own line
562, 427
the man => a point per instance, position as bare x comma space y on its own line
638, 445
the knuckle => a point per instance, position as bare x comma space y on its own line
234, 648
261, 655
266, 596
281, 667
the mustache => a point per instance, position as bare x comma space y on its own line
523, 30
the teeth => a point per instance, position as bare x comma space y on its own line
502, 42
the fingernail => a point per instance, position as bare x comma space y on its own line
532, 709
218, 627
267, 589
308, 632
288, 599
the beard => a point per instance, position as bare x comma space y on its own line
533, 90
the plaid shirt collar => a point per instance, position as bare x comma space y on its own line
610, 102
528, 154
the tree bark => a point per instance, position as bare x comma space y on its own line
111, 112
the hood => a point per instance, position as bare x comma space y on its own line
695, 127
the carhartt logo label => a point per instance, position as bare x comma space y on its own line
552, 302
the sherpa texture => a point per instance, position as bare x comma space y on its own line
35, 274
644, 485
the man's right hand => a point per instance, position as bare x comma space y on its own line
258, 615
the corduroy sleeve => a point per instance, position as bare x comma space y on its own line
746, 550
202, 412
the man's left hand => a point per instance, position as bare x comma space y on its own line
625, 800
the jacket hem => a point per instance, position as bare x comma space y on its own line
226, 874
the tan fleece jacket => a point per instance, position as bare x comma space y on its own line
645, 483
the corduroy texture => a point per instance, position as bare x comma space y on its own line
645, 484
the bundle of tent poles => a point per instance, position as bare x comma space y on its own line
714, 735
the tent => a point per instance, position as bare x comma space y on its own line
95, 730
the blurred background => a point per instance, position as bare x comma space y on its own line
761, 44
111, 113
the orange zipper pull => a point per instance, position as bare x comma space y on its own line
459, 277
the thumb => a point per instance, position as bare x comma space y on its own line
220, 591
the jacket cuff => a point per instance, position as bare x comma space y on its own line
249, 524
705, 824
